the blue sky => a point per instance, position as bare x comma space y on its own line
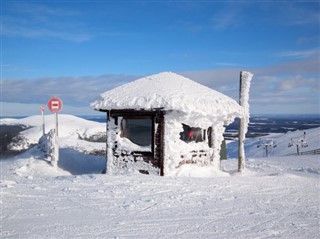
78, 49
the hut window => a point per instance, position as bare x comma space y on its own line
137, 129
192, 134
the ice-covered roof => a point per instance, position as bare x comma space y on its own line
168, 91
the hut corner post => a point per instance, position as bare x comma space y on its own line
241, 155
109, 153
245, 81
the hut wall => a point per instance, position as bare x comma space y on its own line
177, 152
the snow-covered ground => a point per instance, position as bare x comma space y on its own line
275, 197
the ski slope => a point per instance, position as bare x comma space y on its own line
281, 142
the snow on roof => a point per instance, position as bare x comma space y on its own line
168, 91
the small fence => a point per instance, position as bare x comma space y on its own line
310, 152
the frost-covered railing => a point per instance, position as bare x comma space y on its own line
48, 143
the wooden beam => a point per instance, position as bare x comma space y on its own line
241, 132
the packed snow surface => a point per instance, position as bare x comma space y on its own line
275, 197
169, 91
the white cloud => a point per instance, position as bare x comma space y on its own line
38, 9
74, 91
227, 18
308, 40
228, 64
300, 54
298, 15
40, 21
275, 89
19, 109
300, 66
223, 80
38, 32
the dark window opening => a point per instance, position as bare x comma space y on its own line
137, 129
192, 134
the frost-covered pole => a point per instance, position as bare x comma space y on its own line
245, 81
55, 144
110, 143
57, 126
43, 125
55, 153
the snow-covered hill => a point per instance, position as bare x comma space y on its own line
82, 142
70, 127
275, 197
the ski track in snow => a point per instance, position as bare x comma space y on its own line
253, 205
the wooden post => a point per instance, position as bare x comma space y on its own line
104, 171
162, 142
108, 139
240, 135
240, 149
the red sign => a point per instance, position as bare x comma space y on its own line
42, 108
55, 104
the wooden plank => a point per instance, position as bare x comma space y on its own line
161, 142
132, 112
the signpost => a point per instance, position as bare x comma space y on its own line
55, 105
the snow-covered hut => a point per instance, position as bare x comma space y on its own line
161, 122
